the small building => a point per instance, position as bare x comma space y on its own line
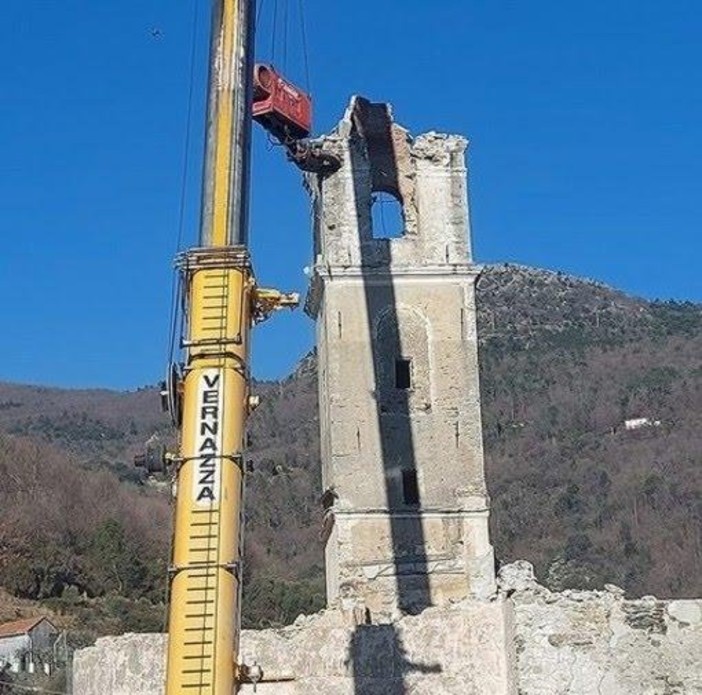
639, 423
28, 644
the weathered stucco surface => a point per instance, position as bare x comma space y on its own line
527, 640
599, 643
461, 650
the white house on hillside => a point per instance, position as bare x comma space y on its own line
27, 645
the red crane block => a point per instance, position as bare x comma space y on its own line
280, 107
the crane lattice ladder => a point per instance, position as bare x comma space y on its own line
205, 587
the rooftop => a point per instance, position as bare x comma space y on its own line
19, 627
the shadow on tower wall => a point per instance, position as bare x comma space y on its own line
380, 662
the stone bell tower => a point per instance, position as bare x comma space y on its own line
406, 508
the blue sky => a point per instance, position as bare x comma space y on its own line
585, 121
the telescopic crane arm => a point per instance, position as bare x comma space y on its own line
211, 400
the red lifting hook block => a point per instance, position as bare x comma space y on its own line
281, 108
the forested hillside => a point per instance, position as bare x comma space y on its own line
563, 365
564, 362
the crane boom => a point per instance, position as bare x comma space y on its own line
221, 302
226, 178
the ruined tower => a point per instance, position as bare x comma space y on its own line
406, 520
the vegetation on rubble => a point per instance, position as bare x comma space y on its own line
564, 362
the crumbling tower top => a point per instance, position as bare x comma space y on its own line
425, 176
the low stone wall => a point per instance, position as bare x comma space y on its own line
126, 665
599, 643
527, 640
460, 650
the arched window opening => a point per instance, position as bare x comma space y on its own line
387, 215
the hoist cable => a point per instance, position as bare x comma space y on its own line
188, 124
305, 47
175, 286
286, 10
259, 13
282, 21
274, 30
177, 280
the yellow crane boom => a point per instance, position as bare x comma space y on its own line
221, 302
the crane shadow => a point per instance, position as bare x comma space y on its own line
380, 662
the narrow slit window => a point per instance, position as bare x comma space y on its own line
410, 487
403, 373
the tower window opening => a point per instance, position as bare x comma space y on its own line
403, 373
387, 216
410, 487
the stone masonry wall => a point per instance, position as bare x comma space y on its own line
527, 640
599, 643
461, 650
